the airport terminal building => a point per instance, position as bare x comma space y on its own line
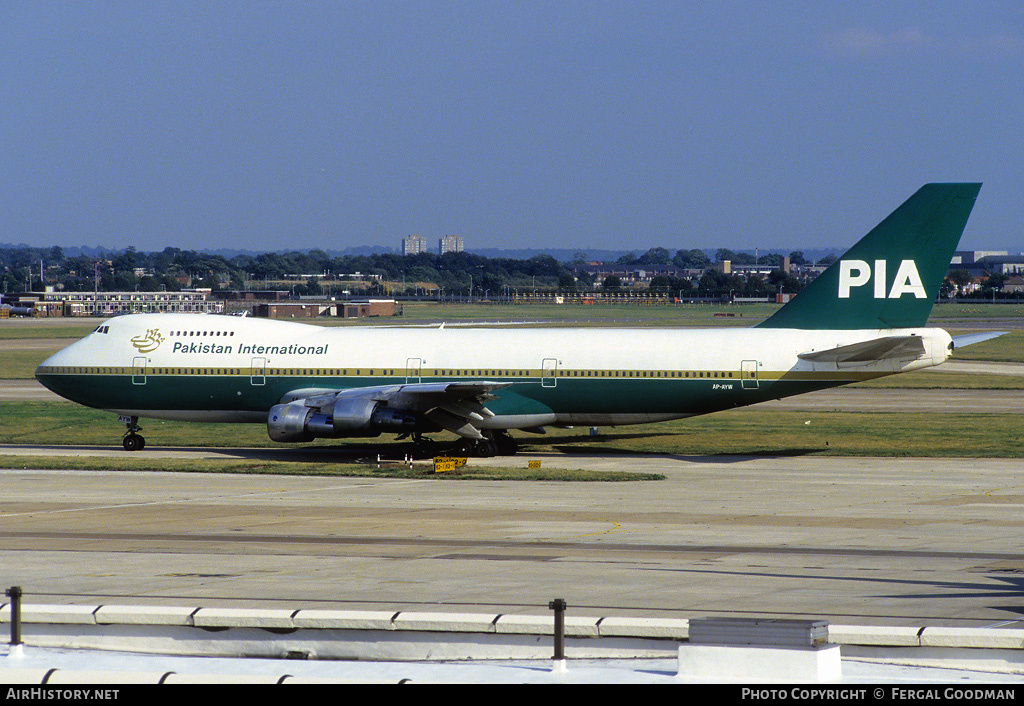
112, 303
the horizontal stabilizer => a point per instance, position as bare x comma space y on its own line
906, 347
972, 338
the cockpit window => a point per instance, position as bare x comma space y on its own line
102, 329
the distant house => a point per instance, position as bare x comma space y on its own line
1014, 284
996, 262
314, 309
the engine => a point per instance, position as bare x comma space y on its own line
346, 416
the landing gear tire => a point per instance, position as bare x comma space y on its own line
475, 448
464, 447
424, 447
485, 448
506, 445
133, 442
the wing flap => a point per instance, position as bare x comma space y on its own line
454, 423
457, 390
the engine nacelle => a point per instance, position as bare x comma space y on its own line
287, 422
348, 416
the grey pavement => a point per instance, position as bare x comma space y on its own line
890, 541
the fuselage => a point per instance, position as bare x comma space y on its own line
223, 368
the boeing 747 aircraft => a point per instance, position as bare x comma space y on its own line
862, 318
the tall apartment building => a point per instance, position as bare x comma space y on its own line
414, 245
450, 243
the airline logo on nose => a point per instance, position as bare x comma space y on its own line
150, 342
858, 273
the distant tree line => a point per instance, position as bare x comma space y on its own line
957, 284
131, 270
172, 269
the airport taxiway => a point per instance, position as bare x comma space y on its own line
889, 541
892, 541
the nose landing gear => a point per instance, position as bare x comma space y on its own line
132, 441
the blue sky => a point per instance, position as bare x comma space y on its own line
529, 124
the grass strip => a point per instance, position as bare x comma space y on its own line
139, 463
750, 431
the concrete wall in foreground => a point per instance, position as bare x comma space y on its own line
330, 634
409, 636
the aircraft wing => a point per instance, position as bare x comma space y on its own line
455, 406
902, 347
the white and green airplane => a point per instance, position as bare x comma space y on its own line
862, 318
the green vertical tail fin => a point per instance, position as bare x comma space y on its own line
891, 277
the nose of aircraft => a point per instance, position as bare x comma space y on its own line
62, 373
45, 373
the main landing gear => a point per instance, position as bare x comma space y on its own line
132, 441
498, 443
493, 444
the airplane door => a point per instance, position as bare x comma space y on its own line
548, 372
258, 376
748, 374
139, 370
413, 370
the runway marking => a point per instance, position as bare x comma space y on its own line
196, 499
989, 493
615, 528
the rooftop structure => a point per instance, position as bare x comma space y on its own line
111, 303
414, 245
450, 243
